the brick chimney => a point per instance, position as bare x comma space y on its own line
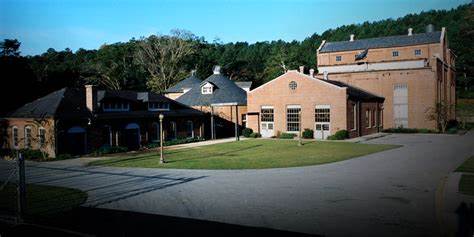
302, 69
311, 72
410, 31
352, 37
91, 98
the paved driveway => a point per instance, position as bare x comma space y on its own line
388, 193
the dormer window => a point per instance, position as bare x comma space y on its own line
158, 106
116, 107
207, 89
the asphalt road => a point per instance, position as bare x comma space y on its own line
392, 193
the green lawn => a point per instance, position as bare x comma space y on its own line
467, 166
249, 154
41, 200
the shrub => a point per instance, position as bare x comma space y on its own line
285, 135
246, 132
255, 135
452, 124
308, 133
452, 130
64, 156
109, 150
339, 135
401, 130
31, 154
425, 130
181, 141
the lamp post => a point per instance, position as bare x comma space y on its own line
162, 159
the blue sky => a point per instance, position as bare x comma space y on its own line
43, 24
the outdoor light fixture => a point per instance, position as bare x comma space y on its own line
162, 159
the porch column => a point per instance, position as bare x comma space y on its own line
213, 136
236, 122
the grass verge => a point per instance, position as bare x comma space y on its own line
249, 154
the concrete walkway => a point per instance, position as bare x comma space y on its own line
391, 193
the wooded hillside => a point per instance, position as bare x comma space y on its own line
139, 63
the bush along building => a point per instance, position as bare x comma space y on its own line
413, 72
295, 101
78, 121
218, 96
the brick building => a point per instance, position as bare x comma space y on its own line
295, 101
78, 121
413, 72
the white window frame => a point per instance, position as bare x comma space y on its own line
207, 89
41, 139
293, 122
15, 141
395, 53
417, 52
165, 106
116, 107
26, 137
354, 109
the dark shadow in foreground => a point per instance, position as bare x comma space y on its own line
104, 222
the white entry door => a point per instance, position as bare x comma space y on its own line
267, 129
321, 130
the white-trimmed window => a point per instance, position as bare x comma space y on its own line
116, 107
417, 52
41, 136
207, 89
369, 118
293, 118
15, 137
158, 106
354, 117
244, 120
27, 137
322, 114
374, 119
266, 114
367, 121
395, 53
338, 58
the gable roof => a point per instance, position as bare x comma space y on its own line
382, 42
65, 100
226, 91
71, 103
189, 82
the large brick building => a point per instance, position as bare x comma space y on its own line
78, 121
295, 101
413, 72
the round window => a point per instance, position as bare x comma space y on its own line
293, 85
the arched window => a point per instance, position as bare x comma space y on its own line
189, 129
15, 137
27, 137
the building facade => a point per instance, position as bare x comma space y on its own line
413, 72
78, 121
219, 97
295, 101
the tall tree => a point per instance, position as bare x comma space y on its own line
10, 47
163, 56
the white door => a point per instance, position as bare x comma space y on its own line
267, 129
321, 130
400, 105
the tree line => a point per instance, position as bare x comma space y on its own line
159, 61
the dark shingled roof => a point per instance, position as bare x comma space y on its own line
189, 82
354, 92
382, 42
71, 103
226, 92
55, 104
